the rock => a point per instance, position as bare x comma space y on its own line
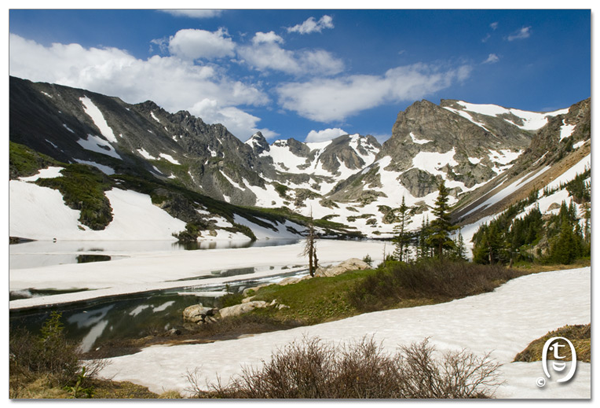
255, 288
237, 310
248, 299
197, 314
282, 306
352, 264
174, 332
292, 279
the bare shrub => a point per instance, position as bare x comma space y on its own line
313, 369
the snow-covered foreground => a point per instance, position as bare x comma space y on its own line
144, 271
502, 322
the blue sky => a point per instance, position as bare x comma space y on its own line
309, 74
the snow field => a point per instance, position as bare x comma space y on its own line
502, 322
40, 213
144, 271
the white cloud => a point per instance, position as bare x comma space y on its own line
491, 59
494, 25
324, 135
311, 26
194, 44
266, 53
268, 38
173, 83
521, 34
240, 123
194, 13
327, 100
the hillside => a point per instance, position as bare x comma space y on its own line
201, 175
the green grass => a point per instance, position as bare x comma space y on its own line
314, 300
393, 285
82, 188
24, 161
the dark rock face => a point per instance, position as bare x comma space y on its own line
148, 141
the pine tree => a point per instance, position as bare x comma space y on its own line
460, 250
441, 227
402, 238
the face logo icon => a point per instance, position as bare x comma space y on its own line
557, 346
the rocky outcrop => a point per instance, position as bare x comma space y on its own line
353, 264
199, 314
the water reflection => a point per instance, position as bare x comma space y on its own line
36, 254
133, 316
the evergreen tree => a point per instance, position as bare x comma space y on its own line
402, 237
441, 226
460, 250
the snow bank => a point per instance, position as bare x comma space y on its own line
531, 120
502, 322
98, 118
50, 172
41, 213
98, 145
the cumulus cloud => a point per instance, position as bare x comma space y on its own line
173, 83
521, 34
491, 59
200, 44
194, 13
326, 100
266, 53
324, 135
312, 26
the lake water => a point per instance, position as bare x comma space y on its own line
45, 253
134, 315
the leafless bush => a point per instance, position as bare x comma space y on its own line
313, 369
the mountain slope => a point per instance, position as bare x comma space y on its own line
352, 180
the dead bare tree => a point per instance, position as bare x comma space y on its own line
310, 247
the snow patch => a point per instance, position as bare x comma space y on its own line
50, 172
170, 158
154, 116
419, 141
98, 145
566, 130
98, 119
531, 120
109, 171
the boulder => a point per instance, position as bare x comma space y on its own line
292, 279
198, 314
237, 310
353, 264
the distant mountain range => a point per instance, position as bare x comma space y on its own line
352, 180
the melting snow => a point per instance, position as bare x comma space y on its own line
104, 169
145, 154
168, 157
531, 120
98, 145
502, 322
566, 130
154, 116
98, 119
50, 172
418, 141
432, 162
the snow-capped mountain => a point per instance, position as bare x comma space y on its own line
351, 180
